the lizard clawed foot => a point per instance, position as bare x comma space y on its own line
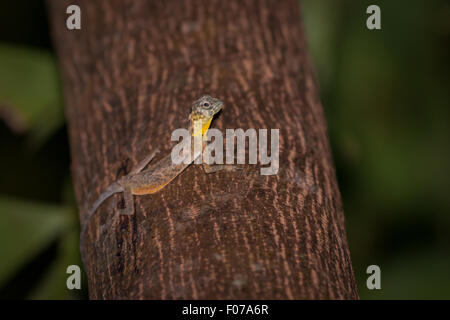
128, 208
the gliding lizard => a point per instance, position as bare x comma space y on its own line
157, 176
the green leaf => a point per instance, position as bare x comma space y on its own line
25, 229
422, 274
53, 284
30, 94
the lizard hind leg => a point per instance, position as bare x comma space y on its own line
128, 202
127, 195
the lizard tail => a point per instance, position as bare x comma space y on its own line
112, 189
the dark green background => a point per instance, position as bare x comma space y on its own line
386, 98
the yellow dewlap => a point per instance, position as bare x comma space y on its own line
205, 127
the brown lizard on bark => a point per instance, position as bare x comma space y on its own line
158, 175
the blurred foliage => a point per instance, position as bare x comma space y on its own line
27, 109
386, 97
41, 223
39, 226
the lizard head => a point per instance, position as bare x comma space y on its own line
204, 110
206, 107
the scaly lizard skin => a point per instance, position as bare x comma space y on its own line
158, 175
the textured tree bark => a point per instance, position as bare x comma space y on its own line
130, 76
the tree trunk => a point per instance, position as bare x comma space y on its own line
130, 76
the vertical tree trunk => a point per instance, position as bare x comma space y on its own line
130, 76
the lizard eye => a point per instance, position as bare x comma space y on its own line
206, 105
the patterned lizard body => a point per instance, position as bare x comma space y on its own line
158, 175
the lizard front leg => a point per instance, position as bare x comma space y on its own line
141, 165
211, 168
